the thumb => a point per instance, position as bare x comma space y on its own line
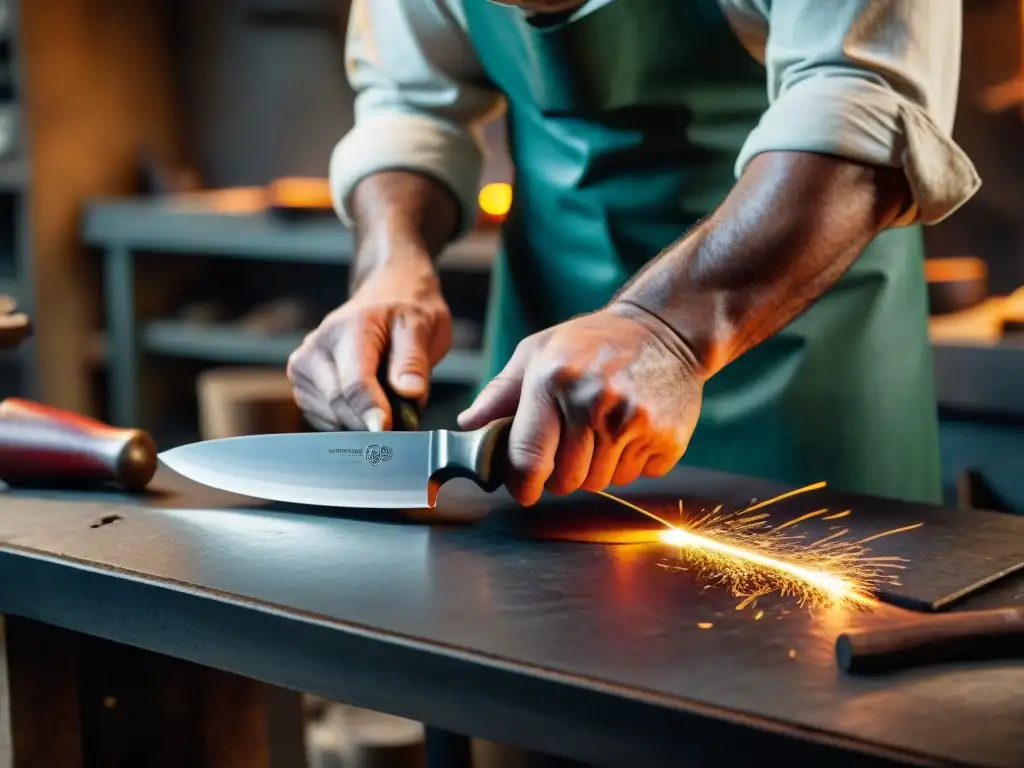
499, 398
408, 359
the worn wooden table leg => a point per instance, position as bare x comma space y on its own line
249, 724
141, 708
39, 696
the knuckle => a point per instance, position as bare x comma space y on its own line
415, 318
353, 390
561, 484
560, 377
525, 348
301, 400
529, 460
640, 415
297, 361
432, 313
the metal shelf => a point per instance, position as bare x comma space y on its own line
184, 224
14, 174
17, 272
10, 286
228, 224
224, 344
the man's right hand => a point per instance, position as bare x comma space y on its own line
398, 311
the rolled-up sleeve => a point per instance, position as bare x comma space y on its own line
421, 100
874, 81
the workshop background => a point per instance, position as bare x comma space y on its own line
164, 221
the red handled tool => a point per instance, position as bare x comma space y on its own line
41, 444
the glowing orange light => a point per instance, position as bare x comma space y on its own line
835, 587
302, 191
496, 199
745, 552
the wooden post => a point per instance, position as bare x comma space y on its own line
39, 696
248, 724
143, 708
68, 700
99, 92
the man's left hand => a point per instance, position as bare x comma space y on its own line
598, 400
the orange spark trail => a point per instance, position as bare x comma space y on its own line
787, 495
754, 558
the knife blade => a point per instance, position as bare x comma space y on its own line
369, 470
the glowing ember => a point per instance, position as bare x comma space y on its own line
745, 552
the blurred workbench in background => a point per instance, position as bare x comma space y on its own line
979, 374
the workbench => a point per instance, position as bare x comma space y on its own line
978, 375
590, 652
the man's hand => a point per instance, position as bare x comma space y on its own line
598, 400
403, 221
398, 310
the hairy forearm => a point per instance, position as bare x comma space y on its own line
401, 217
789, 229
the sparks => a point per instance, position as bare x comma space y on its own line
835, 587
746, 553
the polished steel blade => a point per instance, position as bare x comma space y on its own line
338, 469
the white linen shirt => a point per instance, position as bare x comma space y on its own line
870, 80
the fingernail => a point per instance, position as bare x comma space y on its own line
374, 419
410, 382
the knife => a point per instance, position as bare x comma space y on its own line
366, 470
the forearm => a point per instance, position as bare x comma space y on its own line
401, 217
789, 229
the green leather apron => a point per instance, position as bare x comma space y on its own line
624, 126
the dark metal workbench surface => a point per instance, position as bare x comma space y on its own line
582, 650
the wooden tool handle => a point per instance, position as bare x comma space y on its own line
43, 444
948, 638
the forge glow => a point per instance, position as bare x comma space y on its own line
743, 551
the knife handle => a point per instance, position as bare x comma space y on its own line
405, 413
41, 443
948, 638
480, 456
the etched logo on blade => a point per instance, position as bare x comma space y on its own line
378, 454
